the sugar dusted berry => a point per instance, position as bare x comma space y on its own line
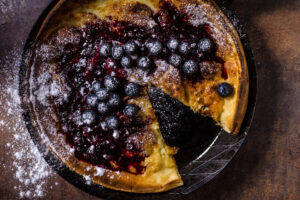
88, 117
190, 68
126, 61
117, 52
173, 44
102, 94
131, 110
184, 48
103, 108
111, 83
105, 50
92, 100
132, 89
206, 46
113, 122
114, 101
175, 60
144, 63
154, 47
130, 47
96, 85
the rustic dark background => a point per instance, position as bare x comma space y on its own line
268, 164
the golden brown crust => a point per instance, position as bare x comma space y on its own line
242, 82
161, 172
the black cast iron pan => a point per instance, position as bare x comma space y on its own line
198, 164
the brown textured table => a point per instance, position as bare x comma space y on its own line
268, 164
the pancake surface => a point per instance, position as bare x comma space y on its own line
67, 61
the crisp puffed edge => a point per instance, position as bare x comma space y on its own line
231, 119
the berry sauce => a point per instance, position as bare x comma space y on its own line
96, 142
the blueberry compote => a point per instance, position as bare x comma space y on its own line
96, 120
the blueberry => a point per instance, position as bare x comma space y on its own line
130, 47
114, 101
184, 48
175, 60
126, 61
111, 83
113, 122
105, 50
190, 68
225, 89
154, 47
132, 89
96, 85
91, 100
144, 63
131, 110
103, 108
117, 52
88, 117
102, 94
206, 46
173, 44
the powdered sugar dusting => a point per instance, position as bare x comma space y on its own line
163, 69
197, 14
200, 14
30, 170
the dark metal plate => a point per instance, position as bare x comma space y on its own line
198, 164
